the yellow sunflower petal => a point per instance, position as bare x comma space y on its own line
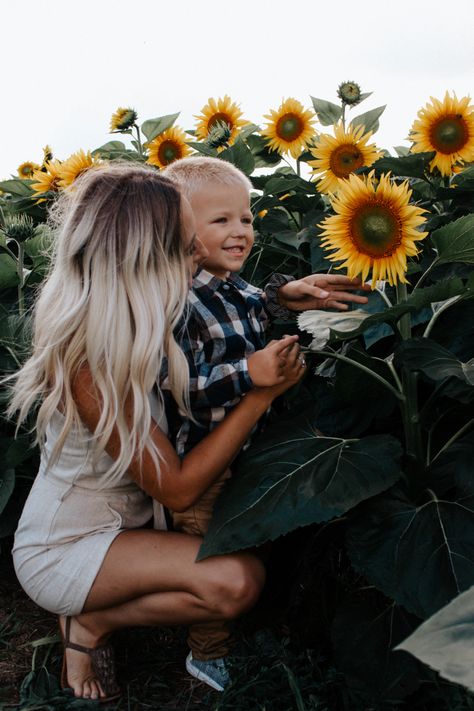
74, 166
290, 128
338, 157
167, 147
446, 127
218, 111
374, 228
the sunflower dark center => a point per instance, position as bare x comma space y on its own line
449, 134
289, 127
217, 119
375, 230
345, 159
168, 152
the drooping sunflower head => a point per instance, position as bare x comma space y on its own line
122, 119
349, 93
446, 127
374, 229
223, 111
26, 170
47, 179
74, 166
290, 128
338, 157
167, 147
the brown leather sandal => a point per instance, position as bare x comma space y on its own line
103, 665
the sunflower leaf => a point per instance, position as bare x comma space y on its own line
17, 186
402, 151
153, 127
239, 155
420, 555
433, 360
465, 180
327, 112
446, 640
369, 120
290, 477
455, 241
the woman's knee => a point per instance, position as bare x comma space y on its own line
238, 585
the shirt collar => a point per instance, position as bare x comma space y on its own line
204, 278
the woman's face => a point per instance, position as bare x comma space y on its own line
195, 251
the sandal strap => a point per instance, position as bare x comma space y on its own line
102, 658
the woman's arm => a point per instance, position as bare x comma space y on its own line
181, 483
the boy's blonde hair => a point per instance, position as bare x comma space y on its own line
193, 174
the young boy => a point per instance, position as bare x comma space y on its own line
224, 341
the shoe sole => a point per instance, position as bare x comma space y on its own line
201, 676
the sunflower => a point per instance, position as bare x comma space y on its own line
338, 157
47, 179
76, 164
289, 128
223, 111
26, 170
349, 93
122, 119
446, 127
374, 228
168, 147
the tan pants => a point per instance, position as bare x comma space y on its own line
208, 640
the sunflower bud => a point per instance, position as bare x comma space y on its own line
19, 227
47, 155
219, 135
123, 119
349, 93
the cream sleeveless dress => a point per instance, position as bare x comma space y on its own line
70, 519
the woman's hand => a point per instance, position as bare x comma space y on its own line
291, 371
321, 291
267, 366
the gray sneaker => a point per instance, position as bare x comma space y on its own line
212, 672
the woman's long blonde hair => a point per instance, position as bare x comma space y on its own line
116, 290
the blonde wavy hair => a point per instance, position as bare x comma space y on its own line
115, 292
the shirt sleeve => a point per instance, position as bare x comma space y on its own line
213, 385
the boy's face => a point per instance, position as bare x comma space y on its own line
224, 226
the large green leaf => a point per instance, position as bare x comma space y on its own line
369, 120
291, 477
420, 555
455, 241
17, 186
240, 155
433, 360
8, 272
446, 640
418, 300
327, 112
365, 655
153, 127
465, 180
414, 165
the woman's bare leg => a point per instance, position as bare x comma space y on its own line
151, 578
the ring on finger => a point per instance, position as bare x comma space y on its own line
302, 361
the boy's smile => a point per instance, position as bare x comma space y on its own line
224, 226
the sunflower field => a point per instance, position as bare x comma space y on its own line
363, 478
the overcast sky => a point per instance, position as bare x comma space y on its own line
66, 66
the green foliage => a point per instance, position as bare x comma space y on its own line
393, 398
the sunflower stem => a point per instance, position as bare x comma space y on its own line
343, 115
139, 141
338, 356
21, 278
409, 407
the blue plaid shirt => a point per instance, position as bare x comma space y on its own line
225, 325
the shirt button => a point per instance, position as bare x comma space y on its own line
226, 287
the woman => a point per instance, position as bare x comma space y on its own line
126, 249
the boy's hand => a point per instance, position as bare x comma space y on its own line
267, 367
321, 291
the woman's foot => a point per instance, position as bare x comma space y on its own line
78, 672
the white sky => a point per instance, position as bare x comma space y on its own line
66, 66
